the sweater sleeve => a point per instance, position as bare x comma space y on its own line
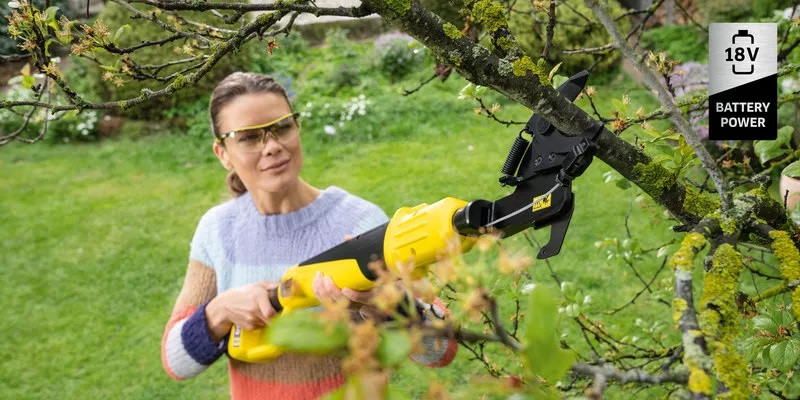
187, 348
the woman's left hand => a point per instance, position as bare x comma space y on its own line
326, 290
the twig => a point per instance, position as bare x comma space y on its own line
647, 287
550, 26
610, 372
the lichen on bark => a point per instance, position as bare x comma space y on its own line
719, 320
789, 259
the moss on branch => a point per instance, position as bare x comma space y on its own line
789, 259
719, 319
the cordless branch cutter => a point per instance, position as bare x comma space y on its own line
541, 171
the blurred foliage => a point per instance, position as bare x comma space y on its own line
115, 16
63, 126
741, 10
680, 42
572, 32
398, 54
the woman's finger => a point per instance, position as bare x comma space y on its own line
358, 296
333, 291
266, 310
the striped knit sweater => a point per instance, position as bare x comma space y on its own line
235, 245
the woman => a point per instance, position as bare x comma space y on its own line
242, 247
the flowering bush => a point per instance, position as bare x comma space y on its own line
398, 54
334, 118
63, 126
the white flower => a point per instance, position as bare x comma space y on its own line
361, 96
470, 148
527, 288
55, 60
329, 130
13, 4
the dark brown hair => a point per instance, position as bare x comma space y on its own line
234, 85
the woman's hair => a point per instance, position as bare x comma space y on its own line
234, 85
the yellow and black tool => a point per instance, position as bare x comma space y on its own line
541, 170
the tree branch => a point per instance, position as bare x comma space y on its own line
677, 118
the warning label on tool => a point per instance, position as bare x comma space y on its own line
743, 81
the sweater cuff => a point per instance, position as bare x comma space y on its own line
197, 339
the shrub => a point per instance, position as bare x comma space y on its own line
570, 33
63, 126
115, 16
398, 54
728, 10
680, 42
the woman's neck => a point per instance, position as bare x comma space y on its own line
292, 199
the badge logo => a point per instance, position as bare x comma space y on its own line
542, 202
743, 81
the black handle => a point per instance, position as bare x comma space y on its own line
364, 248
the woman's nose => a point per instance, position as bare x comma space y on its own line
271, 147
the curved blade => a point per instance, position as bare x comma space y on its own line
570, 90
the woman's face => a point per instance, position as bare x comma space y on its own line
274, 166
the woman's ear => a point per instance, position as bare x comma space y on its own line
222, 156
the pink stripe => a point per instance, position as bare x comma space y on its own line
244, 387
176, 317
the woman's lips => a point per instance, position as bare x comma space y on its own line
277, 167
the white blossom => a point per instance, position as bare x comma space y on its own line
329, 130
13, 4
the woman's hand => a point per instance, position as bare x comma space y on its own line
326, 290
247, 307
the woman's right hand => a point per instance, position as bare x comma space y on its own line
247, 307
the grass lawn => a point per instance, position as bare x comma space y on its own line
95, 241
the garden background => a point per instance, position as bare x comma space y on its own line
95, 224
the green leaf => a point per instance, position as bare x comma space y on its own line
394, 347
303, 332
777, 353
623, 184
467, 92
28, 81
769, 149
621, 107
393, 393
792, 170
792, 354
50, 13
119, 33
558, 79
543, 354
765, 323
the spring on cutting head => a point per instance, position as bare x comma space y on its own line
515, 155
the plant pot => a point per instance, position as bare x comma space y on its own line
792, 186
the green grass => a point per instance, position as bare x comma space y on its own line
95, 240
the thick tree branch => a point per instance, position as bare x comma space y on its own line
481, 67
